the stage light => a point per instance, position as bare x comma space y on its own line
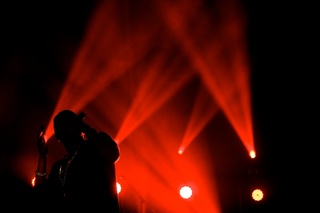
181, 150
257, 194
33, 181
118, 188
185, 192
252, 154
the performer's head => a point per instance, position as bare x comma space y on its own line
68, 128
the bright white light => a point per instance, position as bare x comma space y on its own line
185, 192
118, 187
252, 154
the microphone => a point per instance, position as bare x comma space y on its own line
42, 131
86, 128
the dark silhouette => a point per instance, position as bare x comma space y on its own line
85, 179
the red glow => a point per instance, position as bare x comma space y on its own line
128, 76
203, 111
222, 62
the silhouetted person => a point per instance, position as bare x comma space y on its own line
85, 179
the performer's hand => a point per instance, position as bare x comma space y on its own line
41, 143
88, 130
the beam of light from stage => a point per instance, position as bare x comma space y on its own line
151, 164
105, 54
119, 43
203, 111
157, 86
217, 47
